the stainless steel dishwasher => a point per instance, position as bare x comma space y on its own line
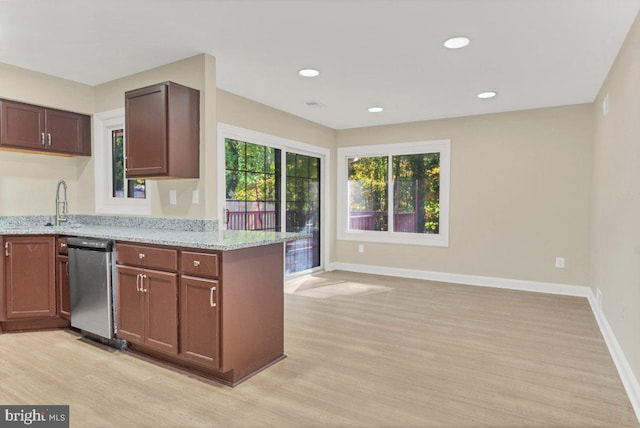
90, 285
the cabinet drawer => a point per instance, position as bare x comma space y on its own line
199, 264
147, 257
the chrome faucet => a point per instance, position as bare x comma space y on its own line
61, 218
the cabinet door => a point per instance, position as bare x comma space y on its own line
199, 339
130, 304
146, 137
161, 310
30, 277
67, 132
22, 126
64, 300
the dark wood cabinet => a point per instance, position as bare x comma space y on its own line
199, 322
28, 127
64, 298
162, 125
29, 277
62, 273
147, 299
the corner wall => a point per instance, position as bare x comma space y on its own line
615, 225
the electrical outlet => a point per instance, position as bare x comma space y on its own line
361, 248
599, 298
195, 198
173, 197
560, 262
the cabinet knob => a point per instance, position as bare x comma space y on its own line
196, 263
63, 245
141, 255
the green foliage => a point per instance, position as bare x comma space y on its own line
416, 184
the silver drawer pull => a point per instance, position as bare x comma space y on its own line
196, 263
42, 138
49, 135
138, 277
143, 277
63, 245
141, 255
211, 302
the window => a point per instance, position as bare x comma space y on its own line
114, 194
134, 188
252, 176
272, 183
395, 193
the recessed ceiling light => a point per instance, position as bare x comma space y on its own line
375, 109
308, 72
488, 94
456, 42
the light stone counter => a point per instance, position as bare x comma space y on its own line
174, 232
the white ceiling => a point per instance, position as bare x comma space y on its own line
534, 53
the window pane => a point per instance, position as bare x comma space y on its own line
117, 155
416, 199
368, 193
134, 188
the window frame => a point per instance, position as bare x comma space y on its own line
105, 203
440, 239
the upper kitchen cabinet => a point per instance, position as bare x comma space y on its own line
162, 132
33, 128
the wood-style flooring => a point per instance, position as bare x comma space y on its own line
363, 351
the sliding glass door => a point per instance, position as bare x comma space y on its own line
256, 179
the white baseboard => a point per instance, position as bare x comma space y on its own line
455, 278
625, 372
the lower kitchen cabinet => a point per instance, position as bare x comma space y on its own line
30, 277
64, 298
147, 308
199, 332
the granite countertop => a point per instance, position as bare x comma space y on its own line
174, 232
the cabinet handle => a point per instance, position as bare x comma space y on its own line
196, 263
138, 276
143, 277
6, 249
211, 302
141, 255
63, 245
49, 135
42, 138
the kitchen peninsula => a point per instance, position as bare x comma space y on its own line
186, 293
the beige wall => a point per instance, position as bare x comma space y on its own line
28, 182
615, 226
244, 113
520, 195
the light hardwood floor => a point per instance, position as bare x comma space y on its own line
363, 351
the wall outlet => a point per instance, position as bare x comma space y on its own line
361, 248
599, 298
173, 197
195, 198
560, 262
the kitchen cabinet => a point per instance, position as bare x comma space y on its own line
162, 125
199, 316
62, 271
29, 277
147, 299
27, 127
